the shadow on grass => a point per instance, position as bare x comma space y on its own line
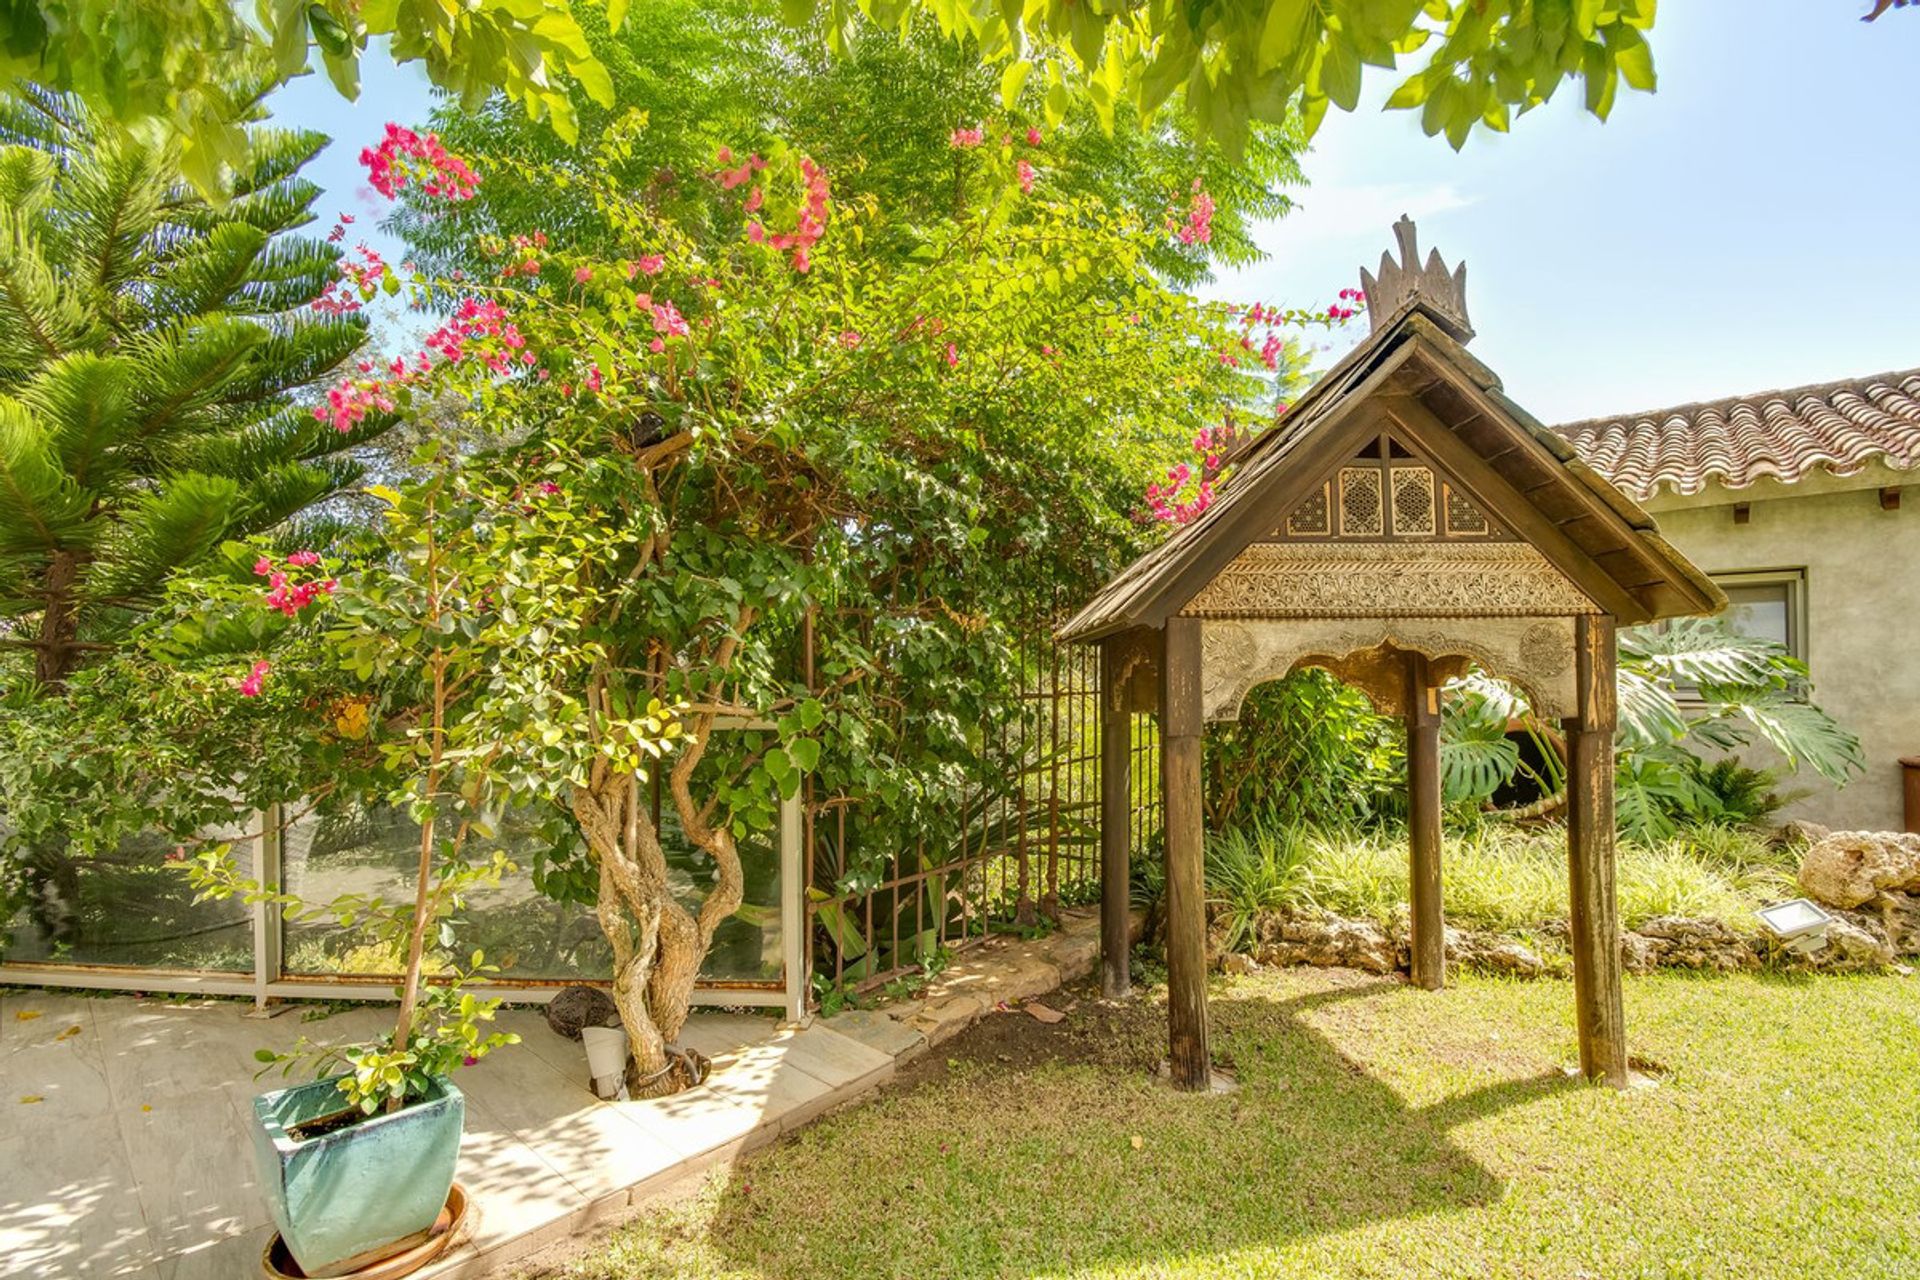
1020, 1149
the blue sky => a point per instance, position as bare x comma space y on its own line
1750, 226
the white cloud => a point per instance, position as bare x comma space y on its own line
1339, 218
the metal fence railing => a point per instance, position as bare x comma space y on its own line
1027, 841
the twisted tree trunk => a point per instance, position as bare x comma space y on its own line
658, 944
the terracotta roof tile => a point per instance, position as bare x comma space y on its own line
1841, 426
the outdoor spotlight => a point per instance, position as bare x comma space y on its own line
1800, 924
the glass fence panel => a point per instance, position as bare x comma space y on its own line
747, 945
130, 907
375, 852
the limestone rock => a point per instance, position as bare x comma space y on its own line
941, 1020
1900, 917
1075, 952
1510, 958
1849, 868
1325, 942
1687, 942
1853, 946
1798, 833
1638, 954
1238, 962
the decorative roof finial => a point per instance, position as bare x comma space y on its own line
1401, 285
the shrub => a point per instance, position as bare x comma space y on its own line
1306, 749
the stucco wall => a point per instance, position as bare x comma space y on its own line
1863, 618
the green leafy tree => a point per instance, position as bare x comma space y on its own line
1245, 61
196, 70
153, 349
722, 444
728, 73
1233, 65
1304, 751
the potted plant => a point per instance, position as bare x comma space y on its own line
358, 1164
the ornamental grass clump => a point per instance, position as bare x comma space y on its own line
1498, 876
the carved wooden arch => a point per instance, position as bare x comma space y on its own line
1534, 653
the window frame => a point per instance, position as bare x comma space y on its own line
1795, 581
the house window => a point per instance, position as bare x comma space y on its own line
1768, 604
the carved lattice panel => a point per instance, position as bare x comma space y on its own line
1312, 518
1362, 504
1413, 508
1464, 519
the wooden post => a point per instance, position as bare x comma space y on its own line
1181, 727
1423, 825
1594, 915
1116, 825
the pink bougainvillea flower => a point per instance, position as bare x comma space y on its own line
755, 198
1033, 136
303, 559
1199, 226
1025, 172
967, 137
406, 158
262, 567
582, 275
668, 320
290, 597
657, 345
650, 263
812, 223
953, 355
250, 684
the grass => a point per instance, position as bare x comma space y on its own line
1378, 1132
1497, 877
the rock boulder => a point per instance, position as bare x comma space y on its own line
1849, 868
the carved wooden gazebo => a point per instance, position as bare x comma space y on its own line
1404, 522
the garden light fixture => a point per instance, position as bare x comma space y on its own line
1800, 924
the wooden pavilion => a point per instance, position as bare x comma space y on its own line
1403, 523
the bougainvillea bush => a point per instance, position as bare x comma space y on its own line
699, 447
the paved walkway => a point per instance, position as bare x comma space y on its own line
134, 1159
125, 1151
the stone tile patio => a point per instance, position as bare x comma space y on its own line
125, 1150
133, 1159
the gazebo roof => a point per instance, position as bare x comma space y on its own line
1413, 375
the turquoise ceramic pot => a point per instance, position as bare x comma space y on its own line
346, 1198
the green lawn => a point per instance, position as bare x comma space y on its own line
1379, 1131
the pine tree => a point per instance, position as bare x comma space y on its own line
158, 355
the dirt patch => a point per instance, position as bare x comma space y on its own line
1091, 1032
